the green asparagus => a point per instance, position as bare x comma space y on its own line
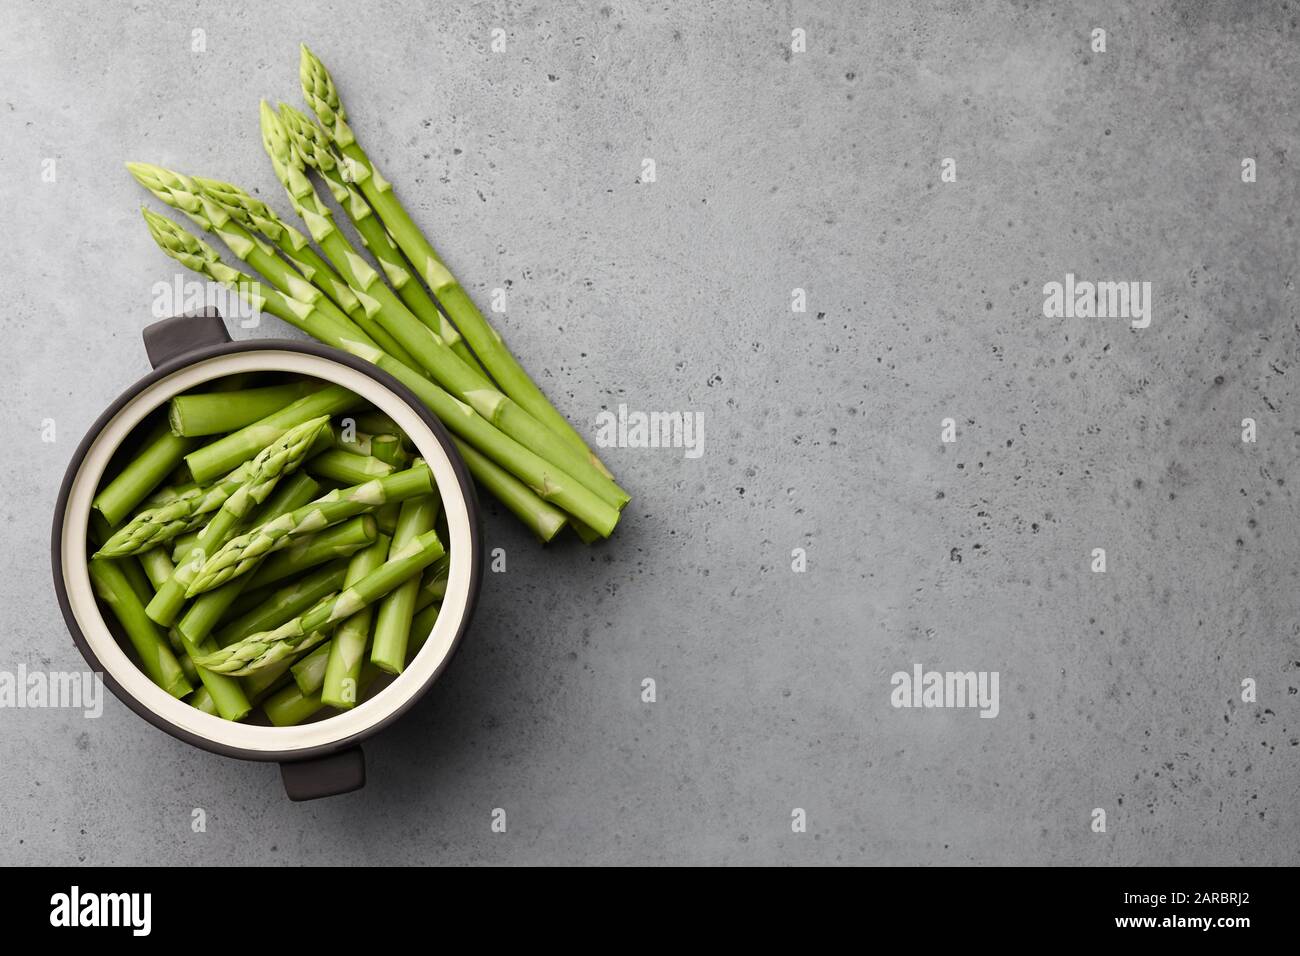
339, 541
279, 458
257, 651
314, 148
241, 553
212, 413
322, 96
394, 612
347, 468
347, 649
207, 610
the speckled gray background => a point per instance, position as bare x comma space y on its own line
776, 170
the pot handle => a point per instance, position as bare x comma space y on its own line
171, 338
329, 776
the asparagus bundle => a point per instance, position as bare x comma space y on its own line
428, 333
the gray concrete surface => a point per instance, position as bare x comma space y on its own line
775, 170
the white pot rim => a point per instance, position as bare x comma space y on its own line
102, 650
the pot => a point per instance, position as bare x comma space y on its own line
318, 758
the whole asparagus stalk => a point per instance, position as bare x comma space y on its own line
314, 148
347, 649
339, 541
322, 96
258, 651
213, 413
430, 351
394, 612
230, 450
545, 479
207, 610
544, 519
279, 458
241, 553
306, 311
184, 194
235, 203
257, 217
502, 451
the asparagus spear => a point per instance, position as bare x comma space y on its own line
285, 603
202, 700
234, 202
141, 476
545, 479
388, 448
349, 439
393, 615
213, 413
314, 148
241, 553
347, 468
227, 452
229, 698
292, 705
307, 312
347, 649
257, 217
541, 478
544, 519
309, 671
258, 651
149, 641
340, 541
430, 351
322, 96
207, 609
279, 458
187, 511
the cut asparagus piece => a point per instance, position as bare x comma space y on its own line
212, 413
231, 450
394, 612
347, 468
141, 476
149, 641
240, 554
285, 603
340, 541
207, 610
257, 651
347, 649
309, 670
279, 458
290, 706
322, 96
